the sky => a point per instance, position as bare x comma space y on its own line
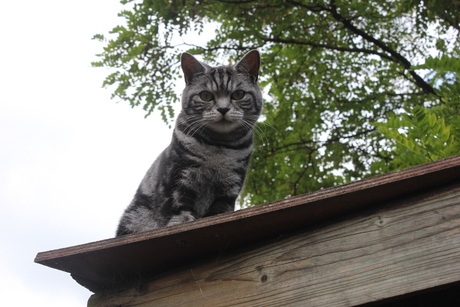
71, 157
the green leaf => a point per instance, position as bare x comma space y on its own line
344, 97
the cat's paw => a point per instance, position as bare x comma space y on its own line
184, 216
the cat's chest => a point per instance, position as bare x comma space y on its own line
219, 164
216, 166
212, 164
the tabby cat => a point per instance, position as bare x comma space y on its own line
202, 171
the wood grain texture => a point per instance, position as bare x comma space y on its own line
113, 262
405, 246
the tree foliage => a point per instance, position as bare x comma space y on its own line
421, 134
354, 88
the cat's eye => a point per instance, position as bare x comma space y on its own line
238, 94
206, 96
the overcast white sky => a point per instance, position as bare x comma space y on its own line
70, 157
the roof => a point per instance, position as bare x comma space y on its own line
113, 262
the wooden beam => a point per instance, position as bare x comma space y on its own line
406, 246
113, 262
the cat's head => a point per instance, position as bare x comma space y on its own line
223, 99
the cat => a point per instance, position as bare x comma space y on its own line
202, 171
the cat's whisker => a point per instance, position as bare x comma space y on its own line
256, 129
198, 125
194, 124
266, 123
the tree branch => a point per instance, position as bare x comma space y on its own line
304, 144
396, 57
207, 49
337, 48
296, 183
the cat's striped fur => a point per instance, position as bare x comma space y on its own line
202, 171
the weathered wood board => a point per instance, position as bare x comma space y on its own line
112, 263
404, 246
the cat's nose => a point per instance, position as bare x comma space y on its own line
223, 111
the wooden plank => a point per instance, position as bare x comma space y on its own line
407, 246
112, 262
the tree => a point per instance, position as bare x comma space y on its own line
349, 83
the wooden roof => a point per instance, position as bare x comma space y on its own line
113, 262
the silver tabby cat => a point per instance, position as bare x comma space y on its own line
202, 171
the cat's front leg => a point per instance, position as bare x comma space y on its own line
221, 205
182, 207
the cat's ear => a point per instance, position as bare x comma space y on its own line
191, 66
250, 64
